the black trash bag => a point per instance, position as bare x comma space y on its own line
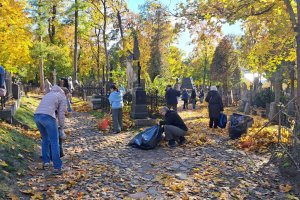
239, 124
148, 139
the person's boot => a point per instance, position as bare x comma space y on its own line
172, 143
181, 140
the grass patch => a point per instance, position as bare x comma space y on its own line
98, 114
26, 111
15, 151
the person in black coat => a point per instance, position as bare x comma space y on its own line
193, 98
171, 97
215, 106
173, 126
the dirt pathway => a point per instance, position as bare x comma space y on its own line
102, 166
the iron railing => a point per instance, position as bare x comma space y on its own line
288, 133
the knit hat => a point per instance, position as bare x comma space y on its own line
213, 88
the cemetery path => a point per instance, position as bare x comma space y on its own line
102, 166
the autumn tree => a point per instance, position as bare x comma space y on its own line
224, 63
15, 37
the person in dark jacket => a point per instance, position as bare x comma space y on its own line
201, 95
173, 126
171, 97
193, 98
215, 106
185, 98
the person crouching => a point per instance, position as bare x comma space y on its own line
173, 126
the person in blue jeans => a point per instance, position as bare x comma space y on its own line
185, 98
116, 102
46, 122
193, 98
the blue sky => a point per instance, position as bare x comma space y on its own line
185, 38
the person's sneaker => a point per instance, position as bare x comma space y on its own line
181, 140
172, 143
46, 166
63, 136
57, 172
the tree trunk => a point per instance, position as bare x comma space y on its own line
75, 41
298, 65
41, 72
98, 56
204, 71
104, 37
292, 78
51, 27
277, 85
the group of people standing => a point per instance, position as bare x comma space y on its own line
172, 96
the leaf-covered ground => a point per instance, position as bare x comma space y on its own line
101, 166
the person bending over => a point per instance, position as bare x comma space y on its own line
45, 120
173, 126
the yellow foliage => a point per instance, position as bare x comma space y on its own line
15, 39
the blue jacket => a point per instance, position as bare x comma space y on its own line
2, 77
185, 95
116, 98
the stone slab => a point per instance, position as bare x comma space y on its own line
144, 122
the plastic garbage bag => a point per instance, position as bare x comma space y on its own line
239, 124
222, 120
148, 139
103, 125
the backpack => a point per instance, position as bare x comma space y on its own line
222, 120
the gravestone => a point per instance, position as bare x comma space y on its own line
244, 98
187, 83
247, 108
139, 107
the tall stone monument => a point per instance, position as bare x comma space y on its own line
138, 107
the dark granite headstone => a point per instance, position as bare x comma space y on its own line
187, 83
139, 108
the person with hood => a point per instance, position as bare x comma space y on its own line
116, 102
215, 106
171, 97
45, 119
48, 86
193, 98
173, 126
185, 98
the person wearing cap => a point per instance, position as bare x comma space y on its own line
215, 106
45, 119
173, 126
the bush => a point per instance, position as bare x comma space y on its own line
263, 97
267, 96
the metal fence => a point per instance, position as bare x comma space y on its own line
289, 132
153, 100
